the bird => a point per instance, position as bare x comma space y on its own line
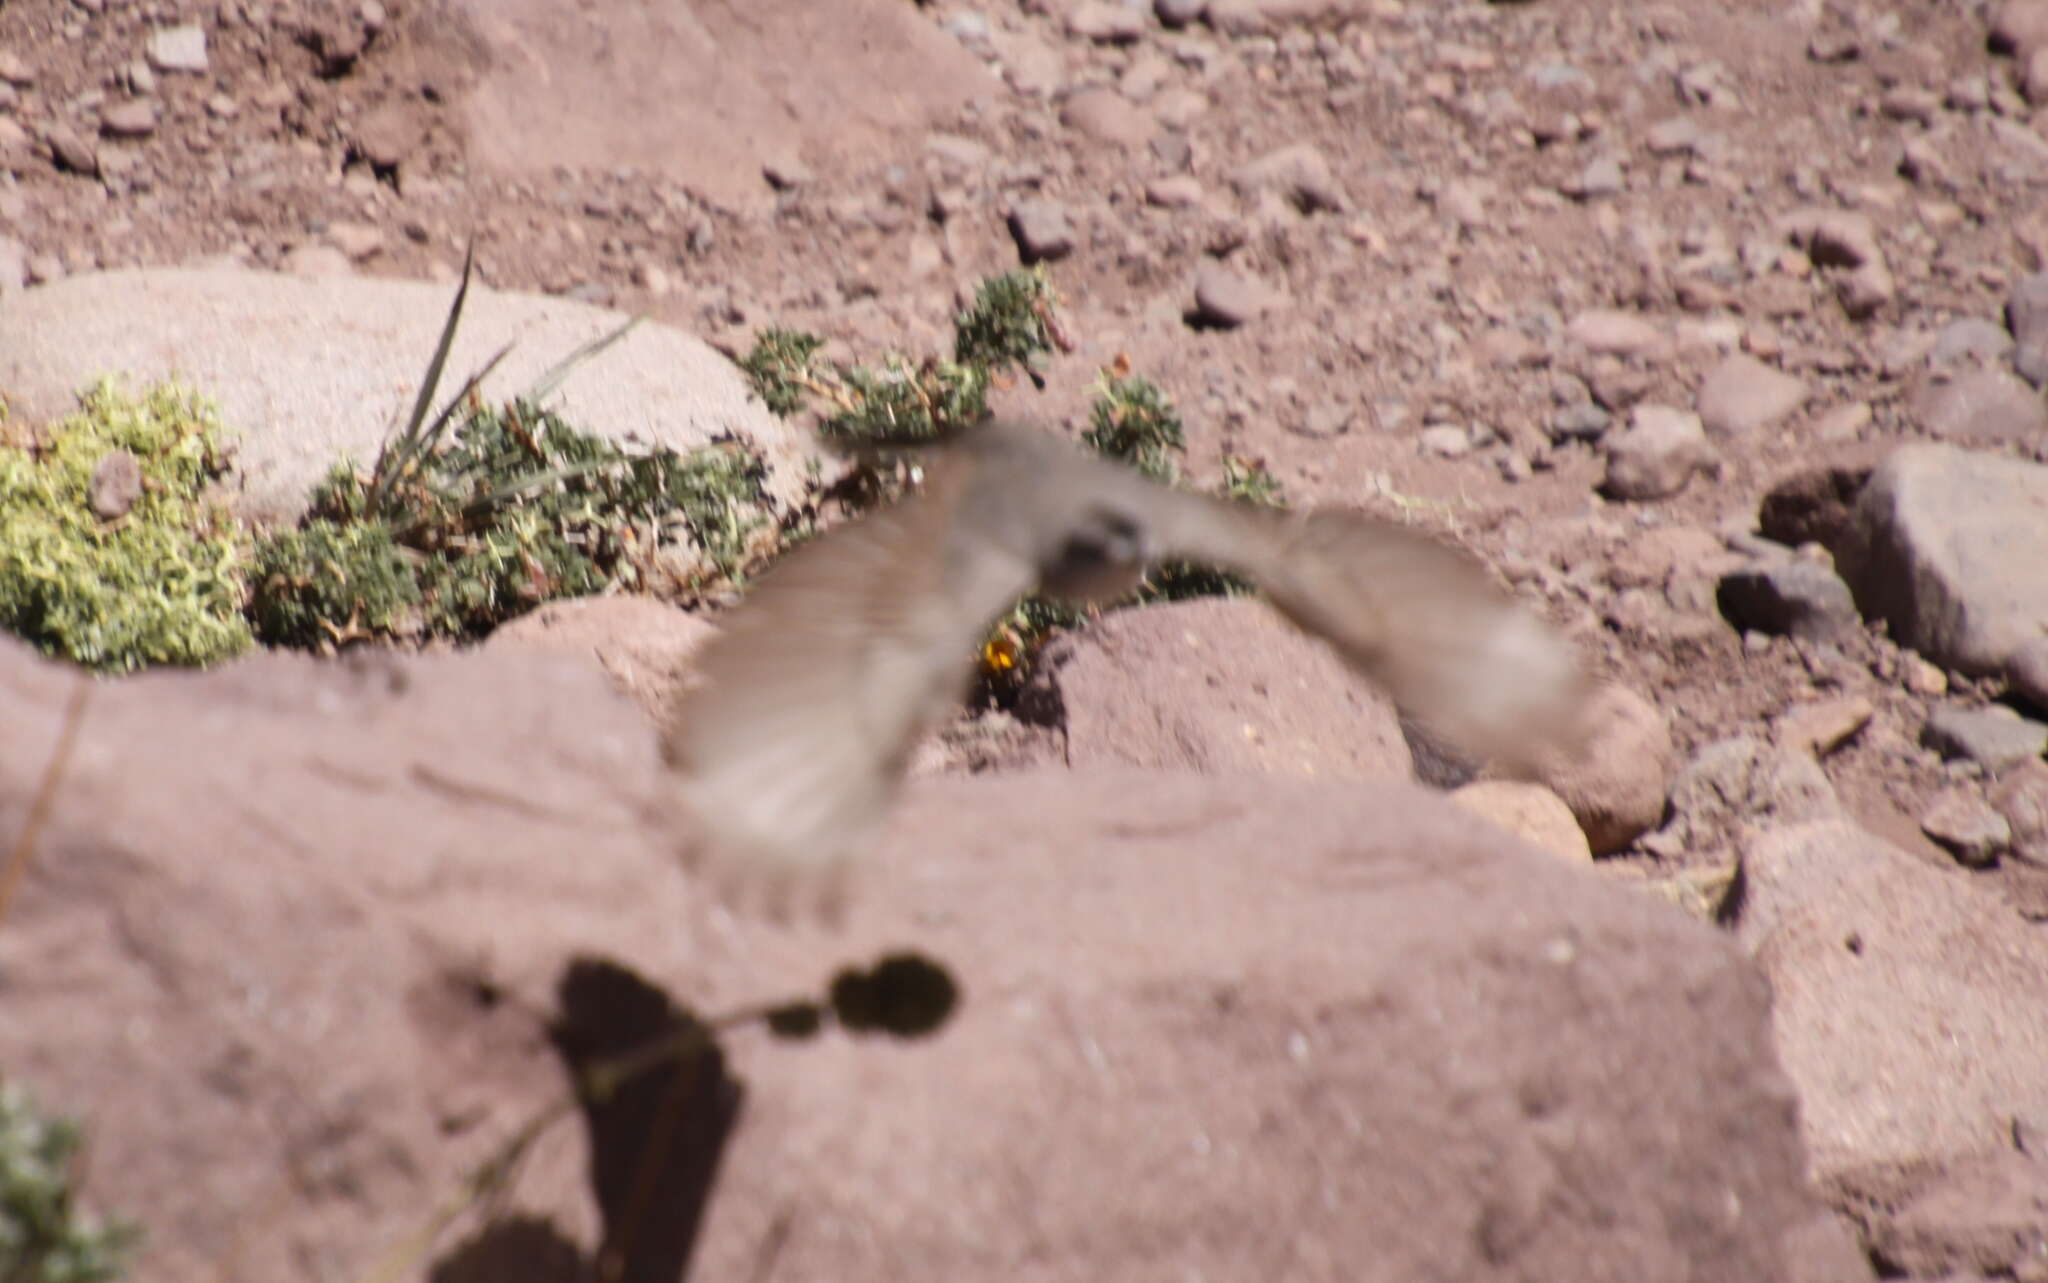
789, 748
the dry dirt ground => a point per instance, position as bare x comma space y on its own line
1373, 243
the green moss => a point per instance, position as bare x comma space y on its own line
163, 584
44, 1237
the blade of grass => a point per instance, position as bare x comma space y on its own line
560, 370
406, 440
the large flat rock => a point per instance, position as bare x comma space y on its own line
307, 371
296, 932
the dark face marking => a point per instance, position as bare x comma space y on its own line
1103, 555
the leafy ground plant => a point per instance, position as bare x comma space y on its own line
477, 513
44, 1236
112, 555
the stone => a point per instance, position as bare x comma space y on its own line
1737, 787
2027, 669
1299, 172
1215, 685
1970, 340
1742, 394
1790, 597
1823, 726
1209, 1025
1967, 826
1846, 240
1529, 811
1614, 332
341, 358
134, 118
1981, 1216
1602, 176
1944, 549
115, 486
1108, 117
1105, 21
2018, 27
1179, 13
1617, 783
1445, 440
1661, 451
2026, 314
1228, 299
2021, 798
179, 49
1987, 406
1181, 191
1898, 1003
1993, 736
72, 151
1042, 230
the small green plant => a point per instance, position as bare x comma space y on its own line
905, 402
158, 579
1134, 421
44, 1237
477, 513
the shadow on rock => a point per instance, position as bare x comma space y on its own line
656, 1139
521, 1249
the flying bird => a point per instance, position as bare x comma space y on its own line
827, 675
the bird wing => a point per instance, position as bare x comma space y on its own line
1417, 616
825, 677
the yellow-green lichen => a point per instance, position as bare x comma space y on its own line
162, 583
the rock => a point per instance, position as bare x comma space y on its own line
2027, 670
1823, 726
1847, 240
645, 647
134, 118
1445, 440
1943, 549
787, 173
1983, 405
1658, 454
1970, 340
341, 358
1042, 230
2021, 797
2026, 313
1616, 784
1814, 506
1107, 116
179, 49
2018, 27
1792, 597
1530, 812
1985, 1216
1179, 13
115, 486
1615, 332
1213, 685
1967, 826
1993, 736
1583, 421
1742, 394
1210, 1026
1299, 172
1735, 787
1602, 176
357, 241
14, 71
1922, 678
1181, 191
1899, 1007
1225, 299
1105, 21
1843, 423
